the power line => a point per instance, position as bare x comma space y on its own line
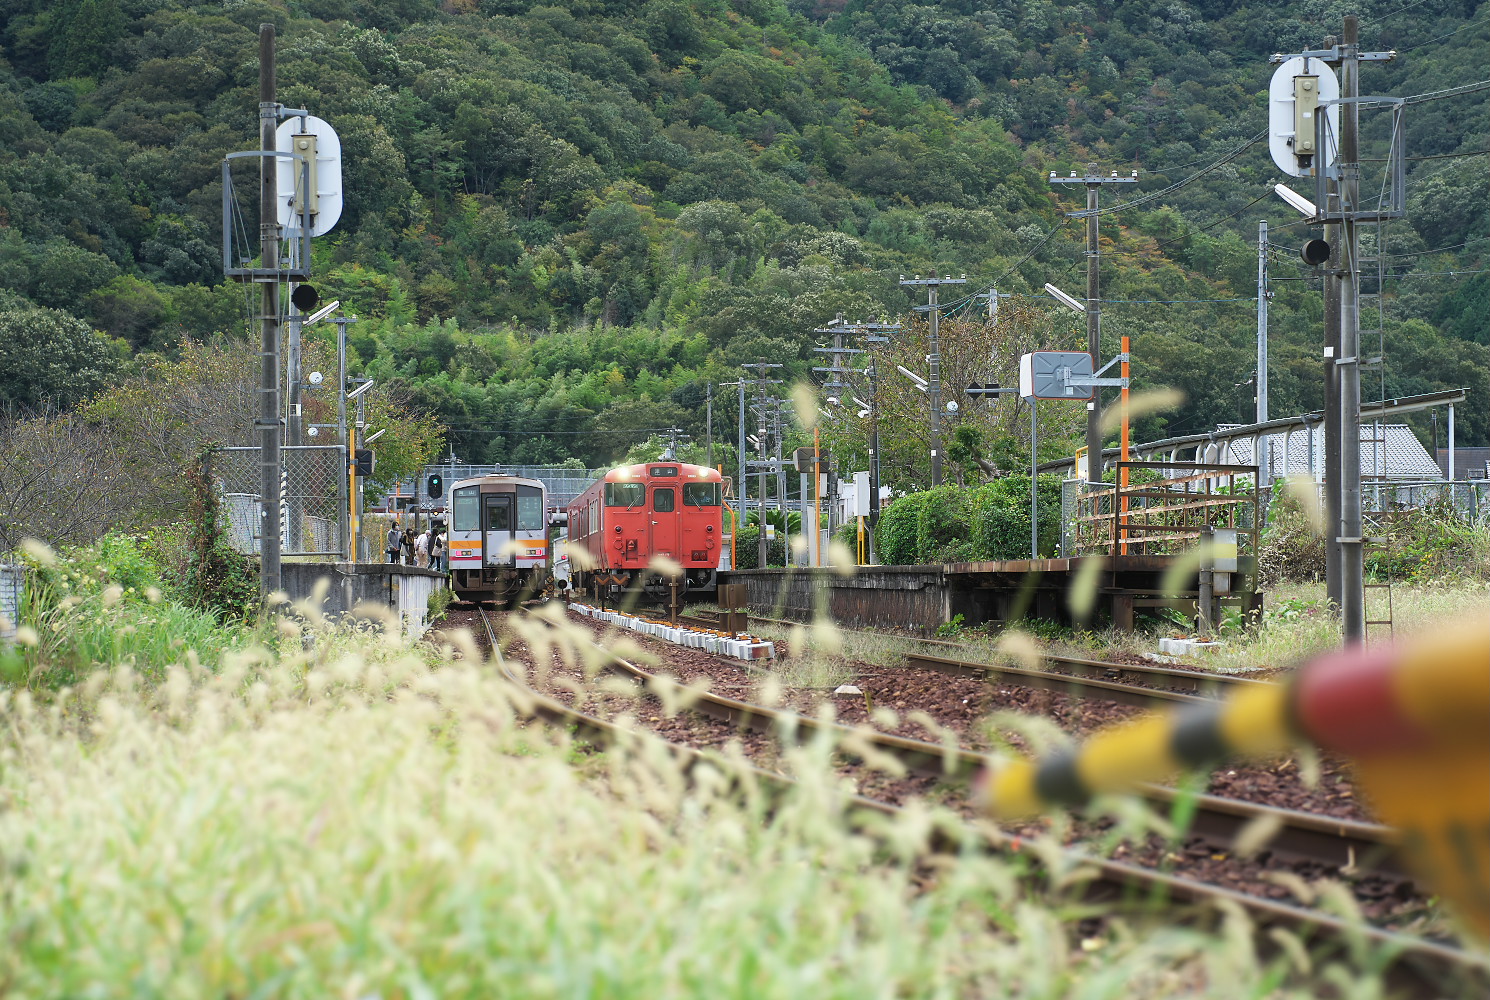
1043, 240
1153, 195
1399, 10
1193, 232
1431, 156
1438, 95
1440, 38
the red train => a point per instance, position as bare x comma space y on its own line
636, 512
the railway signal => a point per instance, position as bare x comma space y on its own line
434, 487
366, 460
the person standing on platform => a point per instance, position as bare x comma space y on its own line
395, 542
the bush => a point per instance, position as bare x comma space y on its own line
958, 524
1429, 544
1001, 522
747, 549
895, 536
943, 520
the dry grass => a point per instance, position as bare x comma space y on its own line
366, 820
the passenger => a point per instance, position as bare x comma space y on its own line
437, 552
395, 542
421, 549
409, 546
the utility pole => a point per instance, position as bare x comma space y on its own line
1304, 101
269, 438
760, 382
934, 360
1352, 544
709, 423
1264, 460
1093, 182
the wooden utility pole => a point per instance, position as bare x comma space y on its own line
268, 422
1093, 182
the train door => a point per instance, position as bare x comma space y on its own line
496, 530
666, 527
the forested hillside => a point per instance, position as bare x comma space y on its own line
563, 222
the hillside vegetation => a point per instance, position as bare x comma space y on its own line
562, 223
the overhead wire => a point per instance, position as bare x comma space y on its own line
1153, 195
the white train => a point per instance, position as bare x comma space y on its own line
498, 539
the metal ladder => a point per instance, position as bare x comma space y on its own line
1381, 543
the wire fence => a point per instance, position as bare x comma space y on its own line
312, 498
12, 593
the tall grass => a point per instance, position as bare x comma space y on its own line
360, 819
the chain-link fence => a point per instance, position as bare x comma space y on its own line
12, 591
312, 498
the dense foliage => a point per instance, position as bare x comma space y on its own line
562, 224
960, 524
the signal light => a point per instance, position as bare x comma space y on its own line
434, 486
305, 297
366, 460
1315, 252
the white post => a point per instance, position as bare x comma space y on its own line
1451, 442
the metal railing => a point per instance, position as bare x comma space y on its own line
1161, 513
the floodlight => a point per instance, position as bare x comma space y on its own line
1065, 299
360, 389
1296, 201
861, 402
321, 313
921, 383
374, 436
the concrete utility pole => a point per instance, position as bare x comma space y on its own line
934, 360
709, 423
760, 382
268, 422
1352, 544
1093, 182
1263, 459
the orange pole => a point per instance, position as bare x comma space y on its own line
1123, 475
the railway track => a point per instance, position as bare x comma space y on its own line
1422, 963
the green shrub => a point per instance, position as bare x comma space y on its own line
1001, 517
747, 549
943, 519
895, 535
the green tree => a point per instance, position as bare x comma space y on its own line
49, 356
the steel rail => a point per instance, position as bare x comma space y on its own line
1184, 680
1342, 843
1418, 965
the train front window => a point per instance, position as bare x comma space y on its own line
529, 509
662, 500
498, 512
466, 513
625, 495
701, 494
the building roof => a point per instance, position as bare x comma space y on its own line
1394, 453
1469, 463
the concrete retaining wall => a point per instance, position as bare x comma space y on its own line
912, 597
406, 589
